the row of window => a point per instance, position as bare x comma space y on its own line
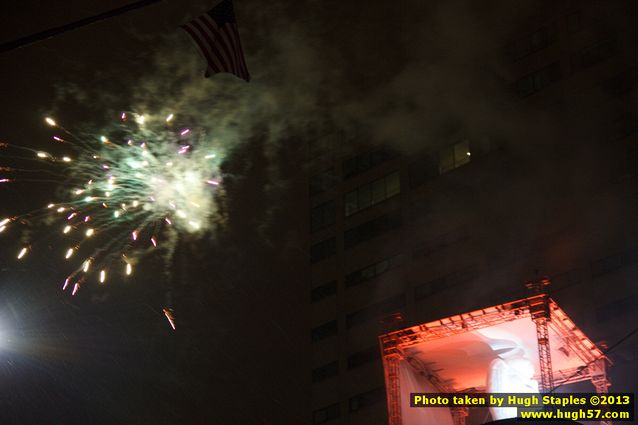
546, 76
594, 54
366, 314
375, 310
601, 267
375, 192
327, 179
538, 80
532, 43
372, 193
355, 403
371, 229
377, 227
372, 271
322, 216
365, 196
354, 361
356, 235
323, 249
356, 277
390, 305
366, 161
323, 291
451, 280
323, 181
430, 166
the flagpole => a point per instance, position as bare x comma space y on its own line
52, 32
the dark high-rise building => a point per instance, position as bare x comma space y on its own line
401, 235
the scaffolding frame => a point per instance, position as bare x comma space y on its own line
539, 307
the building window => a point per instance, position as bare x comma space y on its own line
326, 414
324, 331
538, 80
596, 54
459, 277
574, 22
566, 279
606, 265
373, 270
323, 182
454, 156
371, 229
326, 371
365, 161
323, 249
372, 193
532, 43
324, 291
366, 399
364, 356
376, 310
620, 84
322, 216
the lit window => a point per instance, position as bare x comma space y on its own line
454, 156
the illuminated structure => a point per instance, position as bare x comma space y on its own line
457, 354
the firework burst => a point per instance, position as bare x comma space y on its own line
125, 193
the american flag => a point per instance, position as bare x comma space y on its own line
217, 37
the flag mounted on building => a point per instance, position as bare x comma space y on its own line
217, 37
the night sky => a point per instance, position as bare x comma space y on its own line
240, 354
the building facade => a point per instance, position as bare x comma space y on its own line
399, 237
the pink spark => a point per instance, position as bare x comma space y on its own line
184, 132
57, 139
169, 317
154, 242
5, 180
143, 145
213, 182
123, 116
87, 218
75, 288
66, 283
134, 234
129, 142
106, 167
183, 149
167, 220
71, 215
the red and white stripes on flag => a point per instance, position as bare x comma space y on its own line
216, 35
